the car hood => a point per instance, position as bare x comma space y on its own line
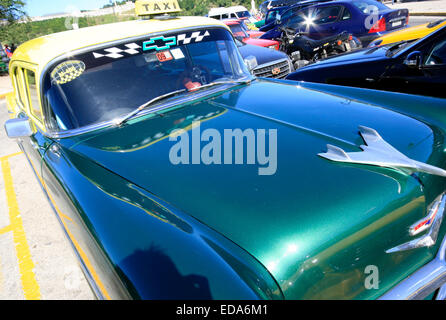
408, 33
359, 56
314, 224
260, 42
263, 55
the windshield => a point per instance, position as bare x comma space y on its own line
104, 84
369, 6
238, 31
243, 14
271, 16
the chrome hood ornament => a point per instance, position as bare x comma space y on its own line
377, 152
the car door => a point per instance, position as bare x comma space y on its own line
29, 104
434, 69
428, 76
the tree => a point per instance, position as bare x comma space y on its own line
12, 10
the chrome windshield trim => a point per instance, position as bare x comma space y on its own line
168, 104
422, 282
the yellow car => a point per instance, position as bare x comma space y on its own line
408, 34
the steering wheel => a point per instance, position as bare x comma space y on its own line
194, 77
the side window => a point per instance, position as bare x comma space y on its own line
31, 84
346, 15
224, 16
327, 15
437, 55
294, 22
18, 82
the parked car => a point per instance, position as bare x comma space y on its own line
276, 15
412, 67
234, 12
253, 33
270, 62
364, 19
410, 33
239, 32
4, 62
269, 4
103, 114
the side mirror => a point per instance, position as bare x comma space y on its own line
18, 128
251, 62
413, 60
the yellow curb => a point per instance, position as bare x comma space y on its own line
30, 286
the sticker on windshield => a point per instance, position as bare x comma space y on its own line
67, 71
164, 56
117, 52
195, 37
159, 43
177, 53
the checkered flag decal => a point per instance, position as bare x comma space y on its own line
67, 71
196, 36
116, 53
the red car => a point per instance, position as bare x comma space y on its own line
238, 30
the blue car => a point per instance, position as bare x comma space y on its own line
365, 19
271, 17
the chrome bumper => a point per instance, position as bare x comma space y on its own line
424, 281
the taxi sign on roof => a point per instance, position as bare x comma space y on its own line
155, 7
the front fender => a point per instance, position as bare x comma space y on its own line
138, 246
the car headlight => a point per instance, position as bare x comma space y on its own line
274, 47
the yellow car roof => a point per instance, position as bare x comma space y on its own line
410, 33
41, 51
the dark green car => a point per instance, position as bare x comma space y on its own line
178, 175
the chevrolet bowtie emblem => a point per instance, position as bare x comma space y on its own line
377, 152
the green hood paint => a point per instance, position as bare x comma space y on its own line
315, 225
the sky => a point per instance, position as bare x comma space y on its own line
44, 7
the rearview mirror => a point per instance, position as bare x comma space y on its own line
251, 62
18, 128
413, 60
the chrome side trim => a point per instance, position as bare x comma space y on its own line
422, 282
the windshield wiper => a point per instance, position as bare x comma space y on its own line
120, 121
125, 118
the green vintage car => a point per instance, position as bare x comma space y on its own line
176, 174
